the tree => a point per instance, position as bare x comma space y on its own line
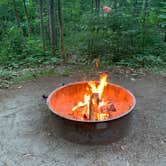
61, 28
18, 20
52, 24
134, 32
95, 5
27, 17
145, 12
16, 14
162, 17
41, 23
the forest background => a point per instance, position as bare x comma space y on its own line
41, 33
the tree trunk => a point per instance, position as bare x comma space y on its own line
16, 14
61, 28
95, 4
135, 11
92, 3
27, 17
134, 22
18, 21
115, 5
52, 25
145, 6
98, 6
41, 23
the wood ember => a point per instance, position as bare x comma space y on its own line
85, 116
108, 107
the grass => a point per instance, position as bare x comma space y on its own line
16, 76
9, 77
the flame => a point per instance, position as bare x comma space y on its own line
97, 64
82, 104
103, 116
85, 104
100, 88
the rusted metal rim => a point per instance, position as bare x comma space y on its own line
91, 121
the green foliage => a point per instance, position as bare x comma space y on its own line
131, 34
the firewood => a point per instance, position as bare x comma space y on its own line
93, 105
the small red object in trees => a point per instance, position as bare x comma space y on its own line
106, 9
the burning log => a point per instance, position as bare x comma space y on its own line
93, 105
97, 106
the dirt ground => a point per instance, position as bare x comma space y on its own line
26, 139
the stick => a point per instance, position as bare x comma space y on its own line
93, 107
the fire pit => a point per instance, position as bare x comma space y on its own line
93, 106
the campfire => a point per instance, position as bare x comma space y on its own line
94, 106
91, 101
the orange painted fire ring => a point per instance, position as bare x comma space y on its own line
62, 99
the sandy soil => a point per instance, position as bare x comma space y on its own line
26, 138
